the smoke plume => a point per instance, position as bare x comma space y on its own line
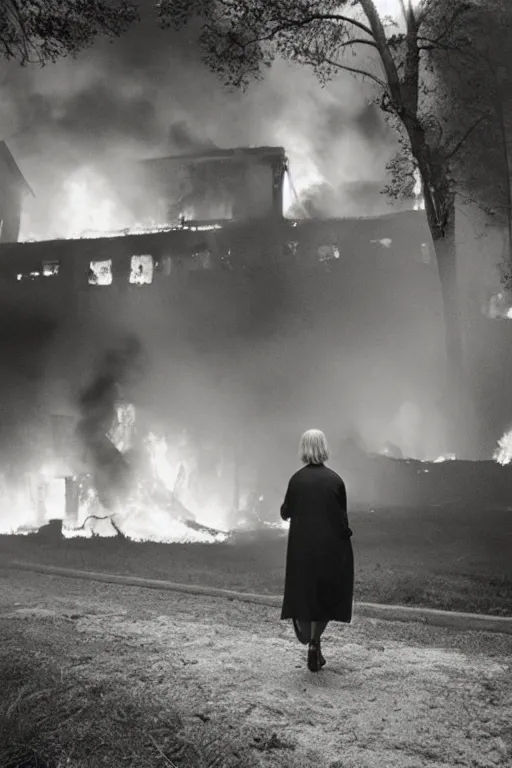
148, 94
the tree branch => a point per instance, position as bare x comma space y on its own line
327, 17
388, 64
466, 135
357, 71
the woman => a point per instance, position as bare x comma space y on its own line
319, 581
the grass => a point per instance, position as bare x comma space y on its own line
108, 714
51, 719
451, 558
70, 701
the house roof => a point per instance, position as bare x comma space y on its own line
210, 155
6, 156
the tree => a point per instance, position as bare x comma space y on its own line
41, 31
241, 38
483, 83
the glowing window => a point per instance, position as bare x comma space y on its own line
328, 252
34, 275
100, 272
142, 268
51, 268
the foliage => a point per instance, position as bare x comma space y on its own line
240, 39
476, 86
41, 31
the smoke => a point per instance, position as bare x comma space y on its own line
148, 94
97, 407
245, 363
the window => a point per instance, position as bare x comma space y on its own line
328, 252
142, 269
47, 269
100, 272
51, 268
34, 275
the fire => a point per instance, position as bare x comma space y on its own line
90, 206
419, 202
503, 453
168, 500
445, 457
304, 175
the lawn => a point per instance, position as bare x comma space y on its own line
50, 717
450, 558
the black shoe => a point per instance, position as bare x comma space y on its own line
322, 660
314, 656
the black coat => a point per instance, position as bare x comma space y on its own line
319, 581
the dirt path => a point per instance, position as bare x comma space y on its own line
391, 696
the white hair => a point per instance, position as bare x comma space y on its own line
313, 448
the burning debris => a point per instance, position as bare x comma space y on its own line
120, 476
98, 403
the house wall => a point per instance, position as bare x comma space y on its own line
277, 328
236, 185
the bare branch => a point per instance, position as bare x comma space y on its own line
357, 71
466, 134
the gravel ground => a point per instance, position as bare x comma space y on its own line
391, 696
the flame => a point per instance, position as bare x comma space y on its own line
91, 207
169, 500
445, 457
176, 468
503, 453
419, 202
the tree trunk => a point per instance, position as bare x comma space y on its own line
446, 257
457, 395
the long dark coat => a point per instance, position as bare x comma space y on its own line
319, 581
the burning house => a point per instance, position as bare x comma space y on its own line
157, 364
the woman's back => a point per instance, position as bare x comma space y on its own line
316, 503
319, 579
